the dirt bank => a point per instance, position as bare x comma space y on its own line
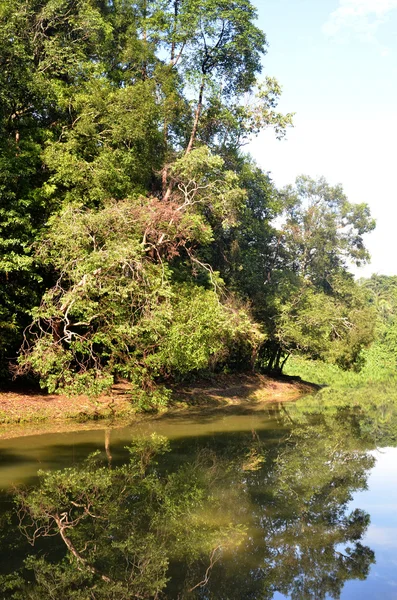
31, 410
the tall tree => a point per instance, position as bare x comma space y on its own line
217, 49
320, 310
111, 110
323, 231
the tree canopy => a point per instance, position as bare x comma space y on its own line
130, 211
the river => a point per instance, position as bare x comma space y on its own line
271, 504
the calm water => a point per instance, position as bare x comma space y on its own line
309, 501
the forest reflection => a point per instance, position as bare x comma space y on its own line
228, 517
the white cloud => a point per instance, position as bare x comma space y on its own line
361, 16
382, 536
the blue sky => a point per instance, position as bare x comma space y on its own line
337, 63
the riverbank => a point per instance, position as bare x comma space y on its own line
29, 410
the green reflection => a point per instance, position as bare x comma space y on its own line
302, 541
238, 515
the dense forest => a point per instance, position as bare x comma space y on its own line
138, 239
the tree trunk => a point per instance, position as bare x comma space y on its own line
144, 65
193, 135
284, 361
173, 45
196, 118
277, 362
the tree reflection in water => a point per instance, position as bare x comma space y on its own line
303, 542
240, 518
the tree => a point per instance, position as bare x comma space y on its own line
218, 49
331, 327
105, 112
382, 297
323, 230
117, 308
297, 276
224, 49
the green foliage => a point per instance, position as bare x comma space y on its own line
204, 334
323, 230
134, 233
334, 328
318, 309
372, 388
116, 310
121, 526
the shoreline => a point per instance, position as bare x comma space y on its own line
27, 412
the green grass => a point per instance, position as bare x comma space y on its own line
379, 368
368, 396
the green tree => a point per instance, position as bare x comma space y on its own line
382, 297
217, 50
317, 307
333, 327
111, 100
117, 308
323, 230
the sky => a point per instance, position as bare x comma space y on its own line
337, 63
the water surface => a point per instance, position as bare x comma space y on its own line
309, 501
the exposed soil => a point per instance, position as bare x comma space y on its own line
25, 410
237, 389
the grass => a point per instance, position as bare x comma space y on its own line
379, 368
369, 397
372, 391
